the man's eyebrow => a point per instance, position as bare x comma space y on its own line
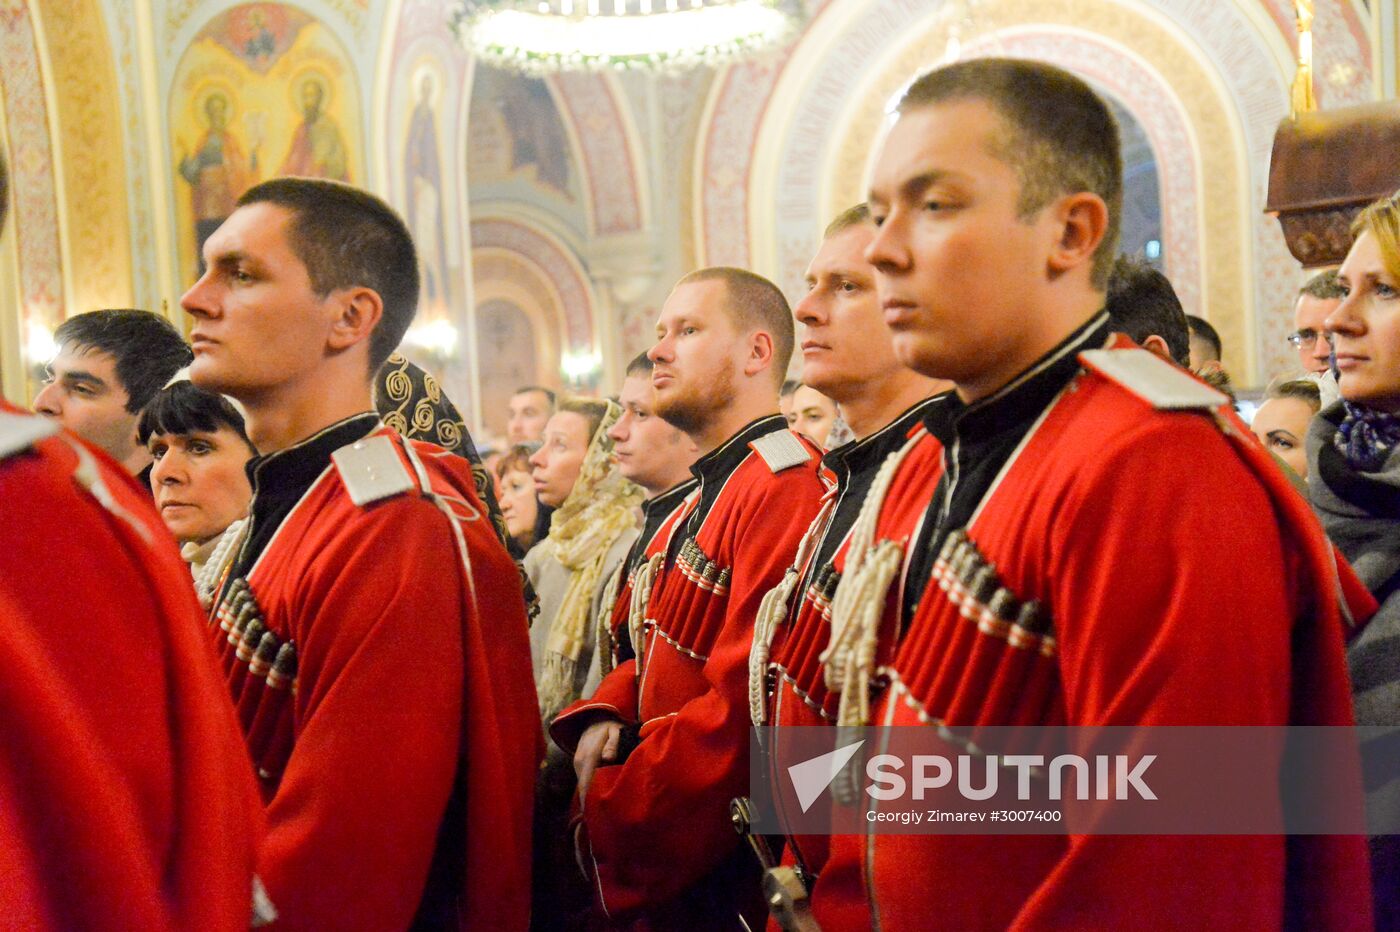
913, 187
79, 376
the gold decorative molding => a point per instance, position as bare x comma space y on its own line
89, 125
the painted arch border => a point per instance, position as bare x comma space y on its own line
561, 267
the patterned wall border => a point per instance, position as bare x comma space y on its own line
35, 199
545, 252
608, 148
89, 121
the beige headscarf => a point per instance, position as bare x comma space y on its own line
601, 507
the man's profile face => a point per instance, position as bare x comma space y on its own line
259, 325
1310, 325
529, 412
696, 354
82, 392
649, 450
957, 269
845, 344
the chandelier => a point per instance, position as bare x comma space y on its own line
541, 37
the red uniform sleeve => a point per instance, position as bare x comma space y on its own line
1167, 565
672, 793
353, 825
615, 697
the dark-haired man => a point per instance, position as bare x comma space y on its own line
1143, 304
110, 364
1064, 460
1317, 299
658, 456
1206, 348
530, 409
125, 796
372, 625
656, 835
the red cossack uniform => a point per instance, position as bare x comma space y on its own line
125, 796
1176, 579
375, 642
656, 832
787, 683
659, 515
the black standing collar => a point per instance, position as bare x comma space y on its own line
1020, 401
725, 458
715, 467
280, 480
866, 454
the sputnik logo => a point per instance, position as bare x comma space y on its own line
811, 777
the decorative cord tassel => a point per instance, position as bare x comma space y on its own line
773, 611
641, 595
605, 645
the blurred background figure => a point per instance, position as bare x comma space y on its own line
593, 526
785, 399
1281, 423
1143, 304
199, 478
530, 409
1317, 299
1205, 345
814, 414
518, 501
1354, 464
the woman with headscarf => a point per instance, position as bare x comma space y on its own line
1354, 484
593, 525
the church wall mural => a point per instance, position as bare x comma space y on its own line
160, 114
263, 90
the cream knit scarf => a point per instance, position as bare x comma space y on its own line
601, 507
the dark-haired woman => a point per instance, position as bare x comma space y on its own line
200, 451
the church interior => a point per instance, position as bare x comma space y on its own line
553, 204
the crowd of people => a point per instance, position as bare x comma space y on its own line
395, 684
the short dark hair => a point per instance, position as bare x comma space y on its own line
1202, 330
754, 302
348, 238
790, 386
183, 408
641, 364
1143, 303
549, 395
1062, 138
146, 347
1324, 285
850, 217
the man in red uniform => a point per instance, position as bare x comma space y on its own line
655, 832
1061, 468
125, 798
371, 623
847, 355
657, 456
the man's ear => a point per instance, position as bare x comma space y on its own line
1158, 347
760, 355
359, 311
1082, 221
